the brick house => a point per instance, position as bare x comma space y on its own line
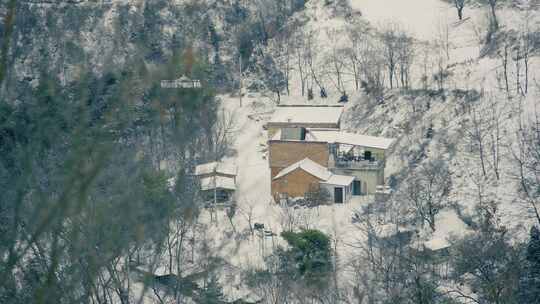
305, 175
353, 163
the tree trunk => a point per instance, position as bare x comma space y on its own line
494, 22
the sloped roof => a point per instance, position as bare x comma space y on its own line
217, 182
333, 136
217, 167
309, 166
339, 180
184, 78
306, 115
318, 171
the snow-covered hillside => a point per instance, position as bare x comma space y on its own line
408, 117
102, 200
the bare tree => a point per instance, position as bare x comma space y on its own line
317, 196
443, 37
311, 53
336, 58
504, 55
494, 24
523, 53
390, 39
353, 55
527, 157
247, 213
495, 115
486, 133
426, 190
372, 64
477, 136
460, 5
300, 56
283, 48
220, 135
406, 52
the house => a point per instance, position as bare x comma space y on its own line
360, 158
182, 82
303, 176
217, 181
293, 119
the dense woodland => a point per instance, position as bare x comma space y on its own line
96, 190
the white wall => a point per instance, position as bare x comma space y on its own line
347, 191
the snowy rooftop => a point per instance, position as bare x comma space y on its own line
307, 115
340, 180
217, 182
436, 244
318, 171
345, 138
309, 166
216, 167
333, 136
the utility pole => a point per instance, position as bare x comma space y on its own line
240, 77
215, 195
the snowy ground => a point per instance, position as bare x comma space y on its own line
418, 17
424, 19
253, 196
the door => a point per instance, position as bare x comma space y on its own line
367, 155
357, 187
338, 195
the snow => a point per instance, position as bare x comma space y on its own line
307, 115
309, 166
419, 17
332, 136
216, 167
423, 19
436, 244
448, 224
217, 182
339, 180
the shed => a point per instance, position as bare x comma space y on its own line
217, 181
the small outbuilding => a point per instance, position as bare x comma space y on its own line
183, 82
217, 181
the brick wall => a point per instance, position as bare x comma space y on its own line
295, 184
285, 153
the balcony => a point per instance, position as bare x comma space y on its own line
354, 163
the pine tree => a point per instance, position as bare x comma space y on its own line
530, 282
212, 293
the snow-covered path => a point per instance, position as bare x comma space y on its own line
421, 18
253, 181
